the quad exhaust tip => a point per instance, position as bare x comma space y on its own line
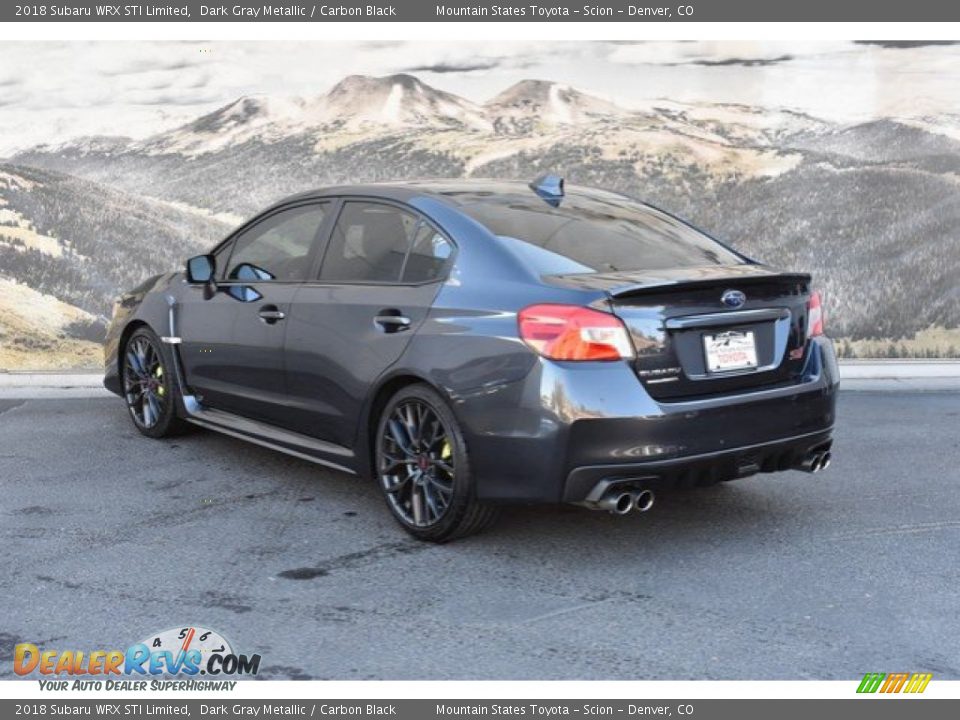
824, 461
621, 502
618, 503
643, 500
816, 461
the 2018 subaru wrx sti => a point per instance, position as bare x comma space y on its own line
471, 343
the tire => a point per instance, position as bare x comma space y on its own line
423, 468
149, 388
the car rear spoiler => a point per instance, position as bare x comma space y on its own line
634, 289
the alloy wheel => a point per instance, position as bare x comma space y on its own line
144, 383
416, 465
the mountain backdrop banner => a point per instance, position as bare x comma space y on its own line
841, 159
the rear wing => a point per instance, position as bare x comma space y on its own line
642, 288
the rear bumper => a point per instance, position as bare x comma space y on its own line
697, 470
554, 435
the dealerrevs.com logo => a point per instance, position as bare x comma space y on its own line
179, 652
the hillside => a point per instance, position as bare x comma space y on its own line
39, 332
68, 245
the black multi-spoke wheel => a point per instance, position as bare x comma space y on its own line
423, 469
148, 387
416, 463
143, 382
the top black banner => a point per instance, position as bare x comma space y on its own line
486, 11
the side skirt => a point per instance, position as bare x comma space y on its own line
268, 436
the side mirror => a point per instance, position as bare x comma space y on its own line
201, 271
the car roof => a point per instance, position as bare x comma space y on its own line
451, 190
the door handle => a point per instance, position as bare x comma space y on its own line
392, 321
271, 314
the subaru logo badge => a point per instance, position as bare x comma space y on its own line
733, 298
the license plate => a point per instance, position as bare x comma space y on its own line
730, 351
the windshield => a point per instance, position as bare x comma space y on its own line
596, 233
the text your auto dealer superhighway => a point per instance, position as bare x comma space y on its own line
304, 11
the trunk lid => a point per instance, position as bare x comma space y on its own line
691, 343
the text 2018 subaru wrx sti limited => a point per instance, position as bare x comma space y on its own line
472, 343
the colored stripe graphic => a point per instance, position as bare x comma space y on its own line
918, 682
894, 682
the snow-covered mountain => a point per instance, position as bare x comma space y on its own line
378, 128
362, 106
870, 208
360, 101
532, 103
244, 119
357, 103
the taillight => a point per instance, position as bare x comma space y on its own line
572, 332
814, 315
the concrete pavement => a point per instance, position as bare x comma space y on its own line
109, 536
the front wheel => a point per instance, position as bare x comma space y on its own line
149, 387
423, 468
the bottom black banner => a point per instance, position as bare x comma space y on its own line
874, 708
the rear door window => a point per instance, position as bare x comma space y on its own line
369, 243
428, 256
380, 243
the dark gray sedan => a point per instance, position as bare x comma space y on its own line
471, 343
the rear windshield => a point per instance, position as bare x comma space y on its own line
596, 233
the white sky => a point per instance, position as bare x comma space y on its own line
52, 91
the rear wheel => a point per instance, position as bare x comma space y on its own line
149, 387
423, 468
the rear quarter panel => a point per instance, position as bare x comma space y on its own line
469, 349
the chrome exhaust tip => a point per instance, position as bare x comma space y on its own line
815, 461
618, 503
643, 500
825, 461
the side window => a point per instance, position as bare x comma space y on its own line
369, 243
427, 256
279, 247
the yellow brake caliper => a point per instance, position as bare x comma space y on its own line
446, 452
158, 373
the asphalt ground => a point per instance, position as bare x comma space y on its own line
109, 537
